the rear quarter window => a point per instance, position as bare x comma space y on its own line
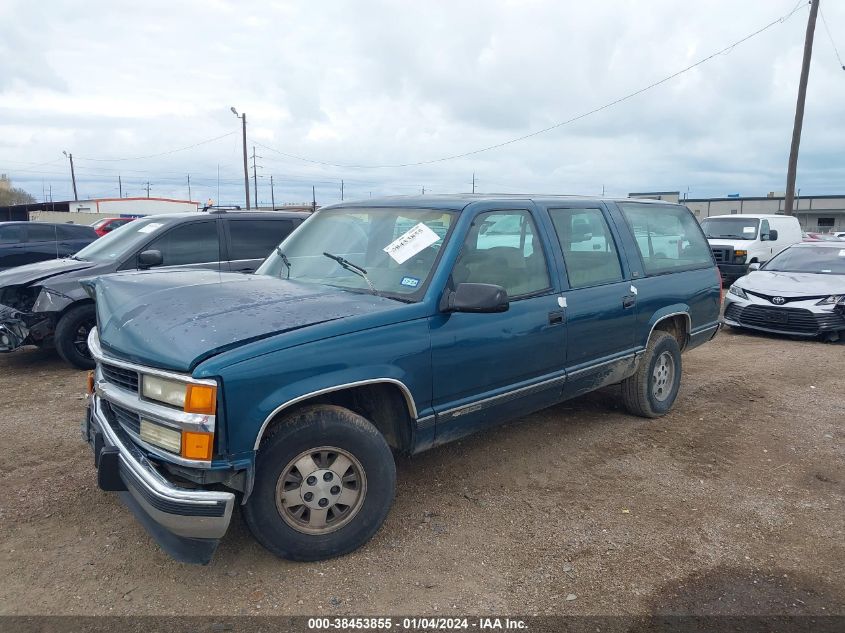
255, 239
668, 238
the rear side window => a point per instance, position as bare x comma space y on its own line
255, 239
668, 238
71, 232
190, 243
43, 233
589, 251
11, 234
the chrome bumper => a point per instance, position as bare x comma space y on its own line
186, 523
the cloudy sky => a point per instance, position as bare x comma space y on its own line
353, 85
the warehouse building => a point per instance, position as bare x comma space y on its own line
823, 214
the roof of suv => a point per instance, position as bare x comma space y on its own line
249, 215
456, 202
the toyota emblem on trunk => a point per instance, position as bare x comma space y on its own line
778, 300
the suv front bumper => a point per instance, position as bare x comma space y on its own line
187, 523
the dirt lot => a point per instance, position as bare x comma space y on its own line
733, 503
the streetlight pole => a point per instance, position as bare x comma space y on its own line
72, 175
242, 117
272, 193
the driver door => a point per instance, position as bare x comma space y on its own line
491, 367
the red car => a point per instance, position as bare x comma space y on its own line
107, 225
819, 237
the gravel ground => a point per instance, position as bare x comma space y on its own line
731, 504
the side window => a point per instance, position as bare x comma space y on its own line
500, 249
72, 232
764, 229
255, 239
11, 234
190, 243
42, 233
668, 238
589, 250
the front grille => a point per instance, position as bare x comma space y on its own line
722, 255
787, 320
125, 378
129, 420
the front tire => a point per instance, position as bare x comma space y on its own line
651, 391
324, 482
71, 336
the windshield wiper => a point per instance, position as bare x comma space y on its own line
355, 269
284, 259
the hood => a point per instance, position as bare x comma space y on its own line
31, 273
736, 244
793, 284
176, 319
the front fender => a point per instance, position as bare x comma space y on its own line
259, 388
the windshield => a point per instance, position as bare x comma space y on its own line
391, 252
123, 240
730, 228
809, 259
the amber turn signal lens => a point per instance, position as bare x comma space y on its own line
90, 382
197, 445
201, 399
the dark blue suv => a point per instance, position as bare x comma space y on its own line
394, 324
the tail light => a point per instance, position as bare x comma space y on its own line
721, 288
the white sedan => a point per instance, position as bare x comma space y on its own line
801, 292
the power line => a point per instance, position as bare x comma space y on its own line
725, 50
832, 43
172, 151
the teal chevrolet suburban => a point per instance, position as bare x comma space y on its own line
388, 325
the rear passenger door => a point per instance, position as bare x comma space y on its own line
600, 300
250, 241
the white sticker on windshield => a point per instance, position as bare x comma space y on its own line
748, 229
152, 226
409, 244
842, 253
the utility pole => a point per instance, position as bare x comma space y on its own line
792, 169
218, 183
189, 186
341, 190
313, 199
272, 193
254, 177
72, 175
242, 117
473, 182
423, 191
119, 186
148, 188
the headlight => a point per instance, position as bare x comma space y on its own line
189, 397
831, 300
740, 253
170, 392
739, 292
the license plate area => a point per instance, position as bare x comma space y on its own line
776, 316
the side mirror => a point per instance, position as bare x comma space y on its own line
773, 235
148, 259
753, 266
469, 297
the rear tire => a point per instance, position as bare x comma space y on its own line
71, 336
324, 482
651, 392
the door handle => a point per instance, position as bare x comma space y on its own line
628, 301
556, 318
